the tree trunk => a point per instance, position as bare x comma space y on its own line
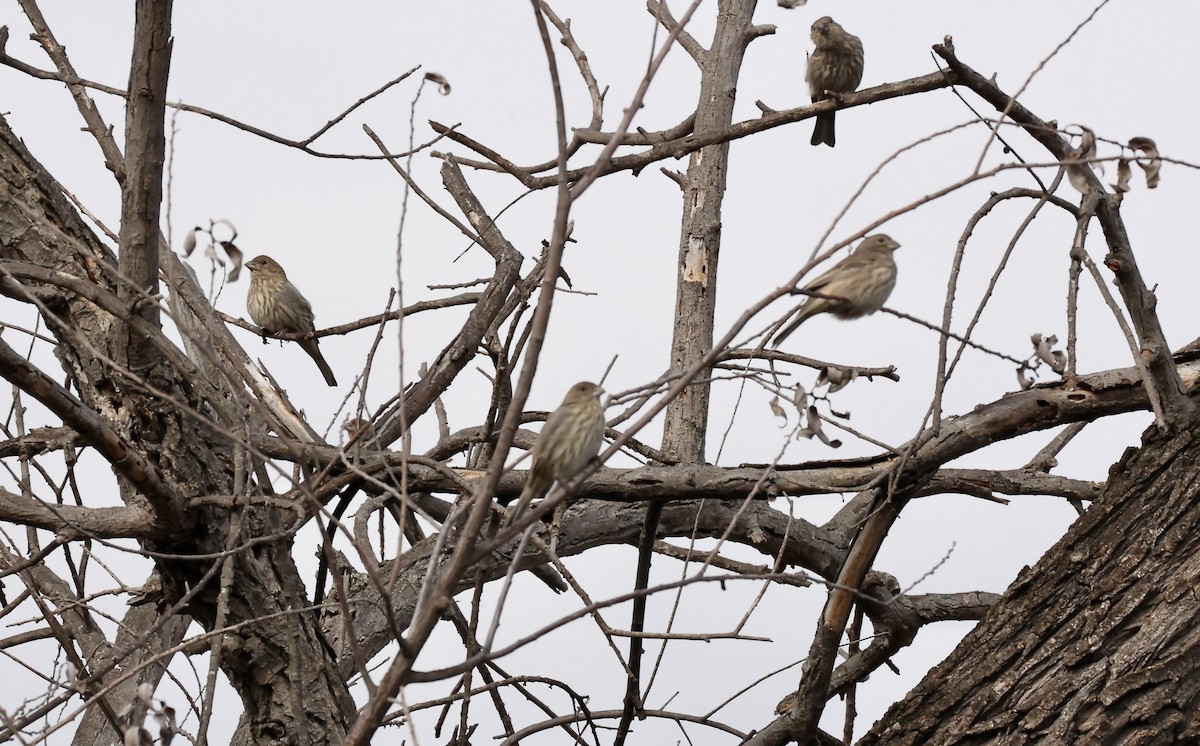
700, 233
1097, 643
141, 193
686, 417
277, 660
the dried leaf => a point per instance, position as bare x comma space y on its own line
800, 398
814, 429
227, 224
837, 378
805, 432
1040, 346
167, 727
235, 258
1078, 173
1150, 162
1124, 174
777, 409
1043, 347
189, 242
1023, 380
1059, 364
442, 83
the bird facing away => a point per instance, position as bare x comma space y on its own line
835, 66
572, 436
277, 306
856, 286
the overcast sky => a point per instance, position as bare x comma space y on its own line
289, 68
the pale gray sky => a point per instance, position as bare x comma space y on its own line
288, 68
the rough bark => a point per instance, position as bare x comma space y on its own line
141, 194
686, 419
1098, 642
1095, 645
141, 634
290, 685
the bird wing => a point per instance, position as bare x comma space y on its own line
823, 280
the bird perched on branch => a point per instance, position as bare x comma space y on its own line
835, 66
572, 436
277, 306
856, 286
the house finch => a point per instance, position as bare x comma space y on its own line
571, 437
363, 430
856, 286
277, 306
835, 66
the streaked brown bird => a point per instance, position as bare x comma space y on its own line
835, 66
572, 436
277, 306
856, 286
363, 430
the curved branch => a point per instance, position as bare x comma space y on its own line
462, 299
581, 62
1043, 407
126, 460
67, 75
113, 158
687, 145
74, 521
482, 317
1139, 301
662, 14
641, 137
747, 353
